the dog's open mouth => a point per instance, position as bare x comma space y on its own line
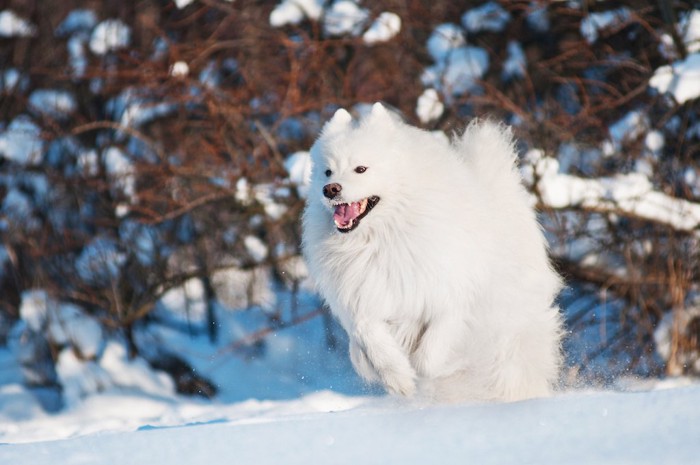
348, 215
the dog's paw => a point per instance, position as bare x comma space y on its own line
430, 363
434, 357
361, 363
401, 383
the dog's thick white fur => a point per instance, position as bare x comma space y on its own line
432, 259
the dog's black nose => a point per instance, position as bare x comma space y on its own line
331, 190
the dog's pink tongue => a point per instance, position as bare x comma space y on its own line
345, 213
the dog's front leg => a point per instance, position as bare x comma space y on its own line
361, 363
381, 350
435, 355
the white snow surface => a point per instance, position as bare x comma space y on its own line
34, 308
298, 165
488, 17
384, 28
429, 107
515, 64
344, 17
100, 261
458, 67
295, 11
21, 142
76, 21
69, 324
459, 72
537, 17
631, 193
10, 80
444, 38
179, 69
680, 79
648, 427
17, 207
53, 103
338, 18
120, 170
138, 113
654, 141
256, 248
238, 288
689, 28
77, 53
265, 195
592, 24
11, 25
628, 128
183, 3
109, 35
66, 323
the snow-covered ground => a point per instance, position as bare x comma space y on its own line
655, 426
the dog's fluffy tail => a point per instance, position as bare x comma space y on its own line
489, 148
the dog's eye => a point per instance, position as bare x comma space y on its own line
328, 173
360, 169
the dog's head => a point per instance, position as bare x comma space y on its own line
351, 165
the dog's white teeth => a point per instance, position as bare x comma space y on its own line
363, 205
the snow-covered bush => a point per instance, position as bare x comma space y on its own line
153, 164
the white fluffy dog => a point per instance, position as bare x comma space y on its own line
431, 257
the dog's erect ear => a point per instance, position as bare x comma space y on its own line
378, 110
341, 120
380, 114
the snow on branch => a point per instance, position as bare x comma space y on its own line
629, 194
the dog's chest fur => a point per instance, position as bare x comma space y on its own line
383, 276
